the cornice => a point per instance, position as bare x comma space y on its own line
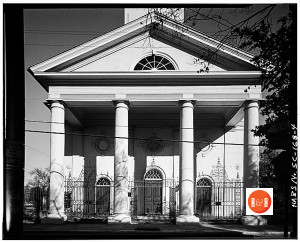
148, 78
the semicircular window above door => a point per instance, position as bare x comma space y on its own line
154, 62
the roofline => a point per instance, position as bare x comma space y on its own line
131, 27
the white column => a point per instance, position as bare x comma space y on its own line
251, 148
186, 165
57, 153
121, 210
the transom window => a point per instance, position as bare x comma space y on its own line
103, 182
153, 174
154, 62
204, 182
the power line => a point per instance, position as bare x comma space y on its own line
135, 138
125, 126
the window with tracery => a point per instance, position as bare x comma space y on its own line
154, 62
153, 174
203, 182
103, 182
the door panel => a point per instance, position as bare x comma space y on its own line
102, 199
153, 197
203, 205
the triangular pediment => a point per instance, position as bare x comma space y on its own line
120, 49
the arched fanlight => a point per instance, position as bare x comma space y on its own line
154, 62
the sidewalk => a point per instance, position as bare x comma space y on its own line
149, 231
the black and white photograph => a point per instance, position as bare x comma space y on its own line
149, 121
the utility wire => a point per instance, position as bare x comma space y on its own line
125, 126
135, 138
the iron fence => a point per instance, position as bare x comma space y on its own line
220, 200
36, 202
87, 199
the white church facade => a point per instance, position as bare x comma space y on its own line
138, 129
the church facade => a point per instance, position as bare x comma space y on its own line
151, 119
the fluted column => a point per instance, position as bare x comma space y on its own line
57, 153
121, 210
186, 165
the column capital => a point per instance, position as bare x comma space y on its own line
121, 103
50, 102
251, 103
187, 103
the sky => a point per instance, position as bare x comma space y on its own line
49, 32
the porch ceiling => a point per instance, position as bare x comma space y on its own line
217, 115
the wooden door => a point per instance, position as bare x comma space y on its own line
102, 196
204, 194
153, 197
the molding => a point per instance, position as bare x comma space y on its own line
106, 53
148, 78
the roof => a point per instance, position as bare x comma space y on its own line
159, 27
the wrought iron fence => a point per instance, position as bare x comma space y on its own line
88, 199
219, 200
36, 202
153, 197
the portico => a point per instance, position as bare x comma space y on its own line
151, 112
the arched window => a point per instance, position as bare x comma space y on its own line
153, 174
154, 62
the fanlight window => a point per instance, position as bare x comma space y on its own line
204, 182
154, 62
153, 174
103, 182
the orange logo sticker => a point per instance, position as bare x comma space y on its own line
259, 201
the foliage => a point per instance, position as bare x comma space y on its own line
271, 167
273, 58
39, 178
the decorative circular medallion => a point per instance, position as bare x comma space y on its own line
102, 144
153, 145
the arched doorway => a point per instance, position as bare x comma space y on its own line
102, 196
153, 192
204, 195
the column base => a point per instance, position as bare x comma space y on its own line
119, 218
54, 219
254, 220
187, 219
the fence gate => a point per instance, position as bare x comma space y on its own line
218, 200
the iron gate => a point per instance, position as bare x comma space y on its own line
219, 200
151, 197
86, 199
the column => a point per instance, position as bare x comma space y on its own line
186, 165
121, 211
57, 153
251, 155
251, 148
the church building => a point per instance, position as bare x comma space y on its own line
151, 121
